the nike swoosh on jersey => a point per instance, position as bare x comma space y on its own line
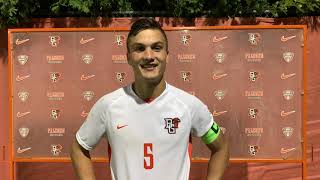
21, 78
216, 76
286, 76
83, 77
84, 41
215, 113
284, 151
18, 41
19, 114
215, 39
121, 126
283, 114
284, 39
84, 114
19, 150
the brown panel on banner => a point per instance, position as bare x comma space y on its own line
250, 79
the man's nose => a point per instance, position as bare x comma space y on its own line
148, 53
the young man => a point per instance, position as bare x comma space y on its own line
148, 123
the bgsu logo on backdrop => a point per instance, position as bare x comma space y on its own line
120, 76
172, 124
185, 76
253, 149
54, 40
253, 112
56, 149
55, 76
120, 39
185, 38
55, 114
254, 38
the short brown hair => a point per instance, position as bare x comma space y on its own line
143, 24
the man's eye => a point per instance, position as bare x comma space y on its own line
157, 48
139, 48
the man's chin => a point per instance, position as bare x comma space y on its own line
152, 79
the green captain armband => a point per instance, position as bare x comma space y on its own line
212, 134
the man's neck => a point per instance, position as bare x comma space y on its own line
148, 91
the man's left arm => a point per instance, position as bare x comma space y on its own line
219, 158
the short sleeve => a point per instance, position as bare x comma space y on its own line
94, 127
202, 119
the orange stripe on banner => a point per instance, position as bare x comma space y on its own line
57, 160
165, 28
206, 160
304, 101
10, 105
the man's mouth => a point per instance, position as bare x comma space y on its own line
148, 66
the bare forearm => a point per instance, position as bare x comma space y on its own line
82, 164
217, 164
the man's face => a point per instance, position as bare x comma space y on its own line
147, 54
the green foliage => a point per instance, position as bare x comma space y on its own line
14, 12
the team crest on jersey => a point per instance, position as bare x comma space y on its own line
253, 76
253, 150
254, 38
288, 56
23, 59
88, 95
54, 40
56, 149
120, 76
219, 94
23, 96
120, 39
219, 57
287, 131
24, 132
186, 39
185, 76
55, 76
288, 94
172, 124
87, 58
253, 112
55, 114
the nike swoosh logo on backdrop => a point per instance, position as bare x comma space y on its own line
84, 77
18, 41
215, 39
283, 114
19, 114
84, 41
19, 150
284, 39
216, 76
284, 151
286, 76
215, 113
21, 78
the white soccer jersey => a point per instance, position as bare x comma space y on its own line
149, 141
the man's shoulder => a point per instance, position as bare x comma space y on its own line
187, 98
114, 96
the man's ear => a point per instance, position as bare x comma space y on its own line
128, 59
167, 58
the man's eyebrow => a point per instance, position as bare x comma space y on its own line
142, 44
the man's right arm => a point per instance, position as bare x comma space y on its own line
81, 162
